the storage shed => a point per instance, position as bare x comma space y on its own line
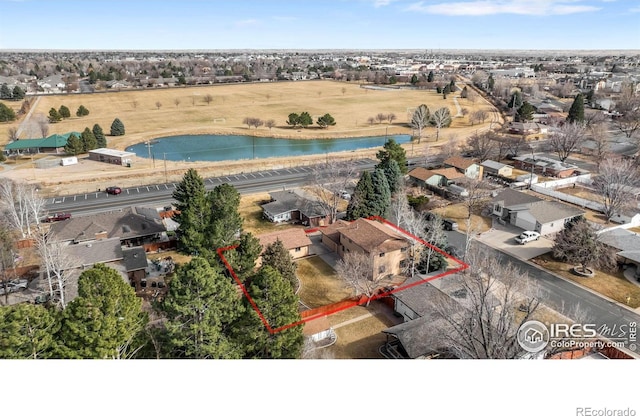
117, 157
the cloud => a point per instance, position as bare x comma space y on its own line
285, 18
634, 10
381, 3
246, 22
490, 7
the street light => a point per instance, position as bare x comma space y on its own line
533, 161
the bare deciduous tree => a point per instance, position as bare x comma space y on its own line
371, 120
134, 104
628, 104
158, 105
270, 123
478, 116
579, 243
567, 140
420, 119
441, 118
487, 304
517, 145
615, 183
482, 145
356, 268
21, 205
12, 134
176, 101
391, 118
43, 125
381, 117
600, 138
57, 262
208, 98
329, 180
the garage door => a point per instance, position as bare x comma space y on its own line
525, 221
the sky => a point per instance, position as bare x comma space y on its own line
319, 24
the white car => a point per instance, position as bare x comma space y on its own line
13, 286
527, 236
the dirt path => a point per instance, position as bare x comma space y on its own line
24, 122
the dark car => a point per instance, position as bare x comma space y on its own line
449, 225
113, 190
60, 216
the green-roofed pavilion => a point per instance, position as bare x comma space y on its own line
51, 144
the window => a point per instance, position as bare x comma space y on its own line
403, 264
298, 249
381, 255
403, 250
497, 208
381, 269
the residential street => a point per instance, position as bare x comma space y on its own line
565, 296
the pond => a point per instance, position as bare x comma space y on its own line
218, 148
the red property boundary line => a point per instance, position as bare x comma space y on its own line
340, 306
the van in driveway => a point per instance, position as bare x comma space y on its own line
449, 225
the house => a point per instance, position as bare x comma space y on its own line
128, 226
434, 178
466, 166
295, 240
295, 206
546, 166
417, 337
517, 127
626, 244
320, 331
388, 249
492, 167
532, 213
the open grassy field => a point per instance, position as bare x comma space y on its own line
149, 114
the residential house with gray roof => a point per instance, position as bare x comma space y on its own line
295, 206
532, 213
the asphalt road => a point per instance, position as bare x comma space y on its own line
565, 296
161, 195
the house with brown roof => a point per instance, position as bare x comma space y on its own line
295, 240
295, 206
464, 165
434, 178
388, 249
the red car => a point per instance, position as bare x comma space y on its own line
113, 190
60, 216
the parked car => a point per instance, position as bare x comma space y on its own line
527, 236
60, 216
449, 225
113, 190
13, 286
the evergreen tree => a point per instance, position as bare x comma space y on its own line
200, 307
576, 112
326, 121
359, 203
243, 258
525, 112
28, 331
88, 140
393, 150
293, 120
278, 304
452, 86
193, 214
54, 115
5, 92
381, 198
101, 140
278, 257
6, 113
82, 111
464, 93
430, 76
117, 128
414, 79
305, 119
18, 93
226, 221
392, 173
104, 319
64, 111
74, 145
491, 83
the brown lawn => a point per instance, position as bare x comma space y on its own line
459, 212
224, 115
250, 210
580, 192
320, 284
613, 285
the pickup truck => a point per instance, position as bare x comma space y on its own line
60, 216
527, 236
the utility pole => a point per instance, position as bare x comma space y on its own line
166, 179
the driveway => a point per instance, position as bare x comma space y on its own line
321, 250
502, 237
